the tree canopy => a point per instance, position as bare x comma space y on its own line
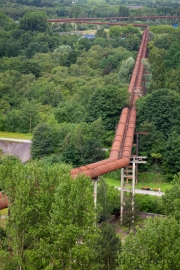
155, 246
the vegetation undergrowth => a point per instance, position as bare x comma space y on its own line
14, 135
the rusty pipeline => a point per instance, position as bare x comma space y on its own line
116, 146
3, 201
121, 148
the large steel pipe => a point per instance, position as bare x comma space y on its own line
100, 169
103, 167
115, 149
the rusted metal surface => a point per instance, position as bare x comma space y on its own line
85, 20
3, 201
123, 141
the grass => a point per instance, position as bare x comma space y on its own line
162, 186
112, 182
12, 135
3, 221
4, 212
151, 179
89, 31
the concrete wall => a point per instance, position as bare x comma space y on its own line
20, 149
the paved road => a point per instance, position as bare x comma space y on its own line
142, 191
15, 140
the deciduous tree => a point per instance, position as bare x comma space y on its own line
155, 246
109, 245
83, 145
171, 199
34, 21
108, 199
71, 243
42, 142
100, 105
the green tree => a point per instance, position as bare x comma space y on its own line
29, 66
30, 189
50, 93
162, 29
151, 145
100, 105
108, 200
13, 120
83, 144
171, 199
171, 154
124, 11
70, 112
173, 80
150, 204
113, 60
13, 48
101, 33
133, 42
130, 211
108, 245
162, 41
36, 47
158, 73
154, 52
126, 69
114, 31
71, 243
34, 21
42, 142
155, 246
161, 108
24, 119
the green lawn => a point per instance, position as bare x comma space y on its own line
2, 223
163, 186
112, 182
150, 179
12, 135
4, 212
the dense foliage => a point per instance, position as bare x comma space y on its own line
158, 111
171, 199
52, 220
156, 246
69, 91
62, 87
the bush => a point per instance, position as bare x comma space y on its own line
150, 204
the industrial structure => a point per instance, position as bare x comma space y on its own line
120, 155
